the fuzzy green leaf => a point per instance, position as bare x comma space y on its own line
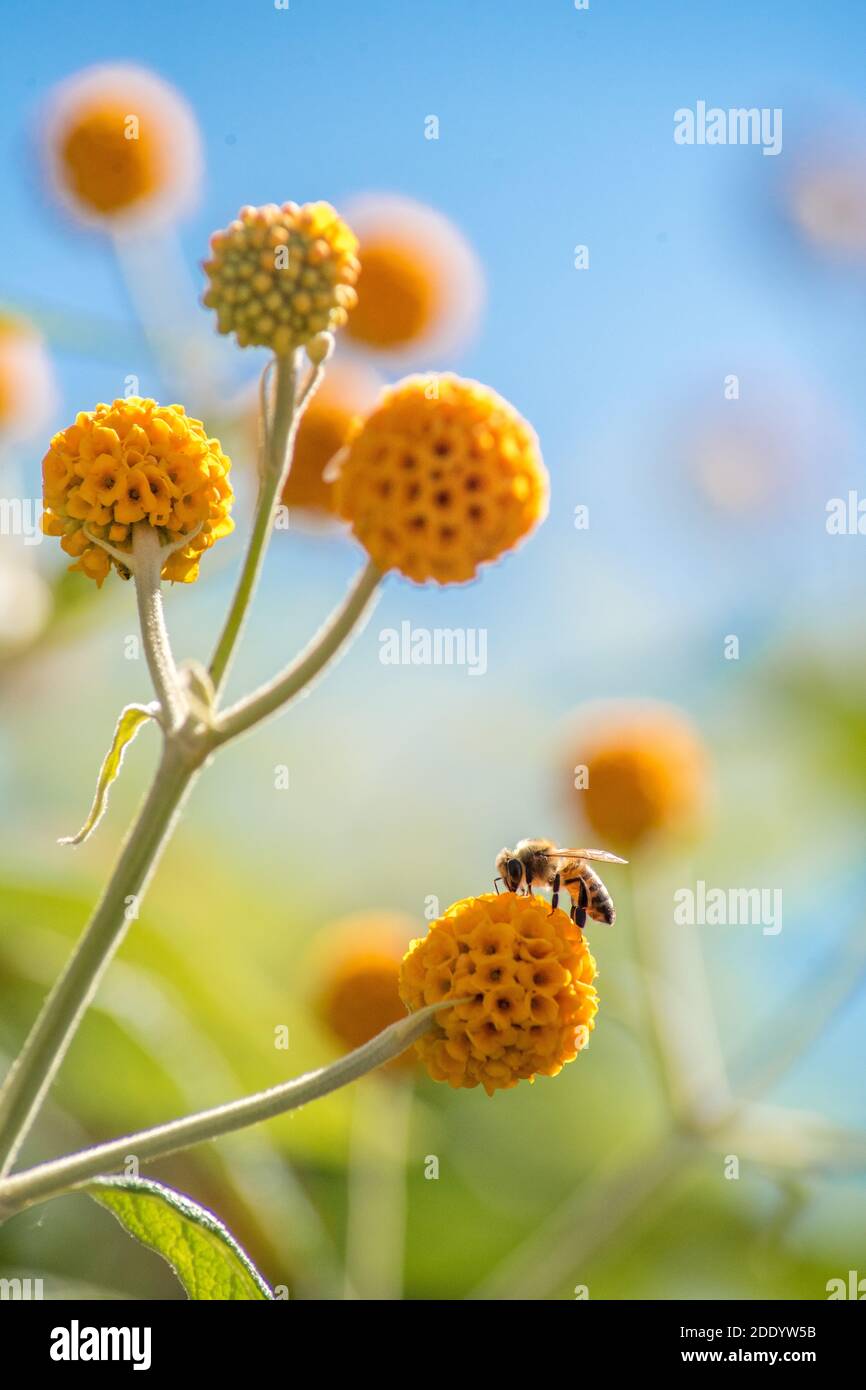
205, 1257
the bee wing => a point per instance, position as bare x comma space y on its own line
602, 854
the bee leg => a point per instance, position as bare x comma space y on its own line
554, 902
496, 882
578, 910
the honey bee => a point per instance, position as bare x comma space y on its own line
538, 863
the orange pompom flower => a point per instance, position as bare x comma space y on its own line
27, 388
640, 769
421, 285
442, 477
122, 148
525, 975
278, 276
826, 202
359, 968
347, 392
135, 463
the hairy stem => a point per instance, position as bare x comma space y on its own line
147, 575
279, 436
184, 752
324, 647
60, 1175
30, 1076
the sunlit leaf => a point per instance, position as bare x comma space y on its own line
205, 1257
128, 725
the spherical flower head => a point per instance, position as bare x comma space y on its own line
444, 476
27, 388
25, 598
135, 463
421, 286
122, 148
347, 391
827, 203
526, 976
278, 276
646, 772
359, 969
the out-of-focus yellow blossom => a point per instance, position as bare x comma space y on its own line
27, 389
646, 772
827, 203
359, 968
346, 393
25, 597
526, 975
421, 285
130, 463
740, 466
280, 275
442, 477
122, 148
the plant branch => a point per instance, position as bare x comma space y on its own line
304, 669
30, 1076
60, 1175
278, 435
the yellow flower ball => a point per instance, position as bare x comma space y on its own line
526, 975
442, 477
280, 275
129, 463
421, 286
646, 772
827, 204
359, 969
27, 388
122, 148
346, 393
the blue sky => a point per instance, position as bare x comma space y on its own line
555, 129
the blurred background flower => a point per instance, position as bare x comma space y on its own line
27, 386
637, 769
121, 148
25, 599
348, 392
826, 203
358, 967
421, 286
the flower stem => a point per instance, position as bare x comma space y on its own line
290, 682
60, 1175
147, 575
27, 1082
376, 1196
279, 434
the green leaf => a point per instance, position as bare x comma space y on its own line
205, 1257
128, 725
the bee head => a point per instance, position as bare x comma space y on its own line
511, 869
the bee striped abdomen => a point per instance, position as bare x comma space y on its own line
599, 902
